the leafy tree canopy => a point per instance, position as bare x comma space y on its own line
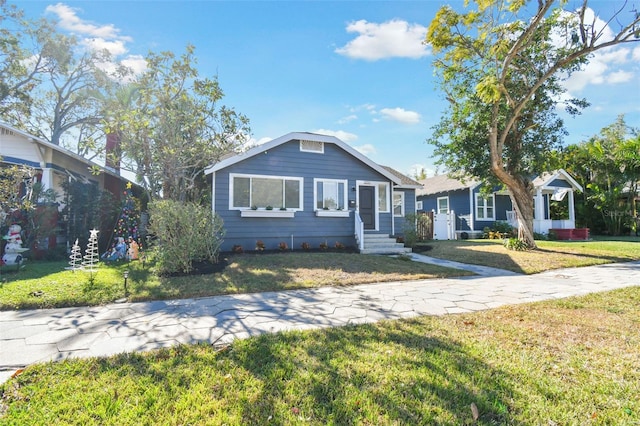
171, 126
501, 67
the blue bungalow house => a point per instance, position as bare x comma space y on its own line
306, 190
461, 210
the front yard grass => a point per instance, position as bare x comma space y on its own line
49, 285
549, 255
564, 362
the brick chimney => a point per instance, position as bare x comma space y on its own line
113, 152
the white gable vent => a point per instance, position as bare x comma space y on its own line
312, 146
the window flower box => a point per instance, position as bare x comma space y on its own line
268, 213
332, 213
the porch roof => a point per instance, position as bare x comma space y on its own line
546, 179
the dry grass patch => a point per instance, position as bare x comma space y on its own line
549, 255
48, 285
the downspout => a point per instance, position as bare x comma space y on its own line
213, 193
471, 210
393, 218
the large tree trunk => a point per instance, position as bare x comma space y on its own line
520, 188
522, 201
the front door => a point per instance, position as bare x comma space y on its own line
367, 207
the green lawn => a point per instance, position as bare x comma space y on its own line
48, 284
565, 362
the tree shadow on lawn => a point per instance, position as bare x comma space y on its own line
602, 258
462, 251
364, 374
383, 374
255, 273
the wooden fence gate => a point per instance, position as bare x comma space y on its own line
424, 226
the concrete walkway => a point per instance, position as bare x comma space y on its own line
28, 337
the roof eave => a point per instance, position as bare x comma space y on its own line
301, 136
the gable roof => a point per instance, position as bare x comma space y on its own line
63, 151
546, 178
407, 182
444, 183
314, 137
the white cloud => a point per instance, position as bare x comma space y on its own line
619, 77
417, 169
605, 66
401, 115
348, 119
255, 142
70, 21
136, 62
115, 47
391, 39
366, 149
340, 134
98, 38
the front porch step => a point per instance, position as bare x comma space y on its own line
382, 244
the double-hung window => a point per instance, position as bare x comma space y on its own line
330, 194
443, 205
257, 191
398, 203
484, 207
383, 197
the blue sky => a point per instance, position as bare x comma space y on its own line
353, 69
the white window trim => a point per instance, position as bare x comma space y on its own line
401, 194
232, 176
388, 195
345, 201
376, 188
485, 217
311, 150
419, 205
438, 204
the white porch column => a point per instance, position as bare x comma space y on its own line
47, 178
572, 212
538, 213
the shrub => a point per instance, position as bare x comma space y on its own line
186, 233
259, 245
338, 245
283, 246
503, 227
305, 246
499, 231
410, 228
516, 244
324, 246
237, 248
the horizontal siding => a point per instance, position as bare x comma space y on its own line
409, 209
287, 160
17, 147
458, 201
559, 183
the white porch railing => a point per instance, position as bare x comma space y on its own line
359, 230
563, 224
